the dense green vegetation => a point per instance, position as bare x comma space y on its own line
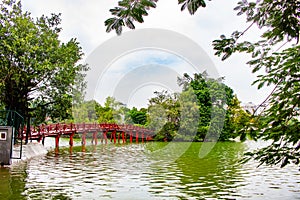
38, 75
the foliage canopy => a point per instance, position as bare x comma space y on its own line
38, 72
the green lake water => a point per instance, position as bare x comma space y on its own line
148, 171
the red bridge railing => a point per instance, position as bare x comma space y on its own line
115, 131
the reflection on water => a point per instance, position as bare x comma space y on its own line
137, 171
12, 182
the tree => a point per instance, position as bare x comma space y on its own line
138, 116
189, 116
195, 114
129, 11
237, 120
38, 71
213, 98
276, 58
113, 111
85, 111
276, 53
164, 114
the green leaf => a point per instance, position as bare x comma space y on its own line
191, 5
260, 85
129, 24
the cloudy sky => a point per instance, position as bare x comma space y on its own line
84, 20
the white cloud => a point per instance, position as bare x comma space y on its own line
140, 73
85, 21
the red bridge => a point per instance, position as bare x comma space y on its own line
115, 131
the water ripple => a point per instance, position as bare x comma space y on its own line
131, 172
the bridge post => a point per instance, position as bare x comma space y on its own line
83, 138
123, 137
136, 136
114, 135
40, 135
57, 140
105, 136
143, 137
71, 142
130, 136
94, 138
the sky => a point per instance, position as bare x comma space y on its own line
131, 72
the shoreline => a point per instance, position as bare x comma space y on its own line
29, 151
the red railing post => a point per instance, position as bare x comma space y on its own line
95, 139
123, 137
71, 142
83, 138
57, 141
114, 134
105, 136
130, 136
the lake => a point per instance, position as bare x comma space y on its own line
151, 170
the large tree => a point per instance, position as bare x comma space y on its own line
197, 113
213, 98
38, 71
275, 58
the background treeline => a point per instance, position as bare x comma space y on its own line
206, 109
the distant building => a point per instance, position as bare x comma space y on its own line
258, 109
249, 107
